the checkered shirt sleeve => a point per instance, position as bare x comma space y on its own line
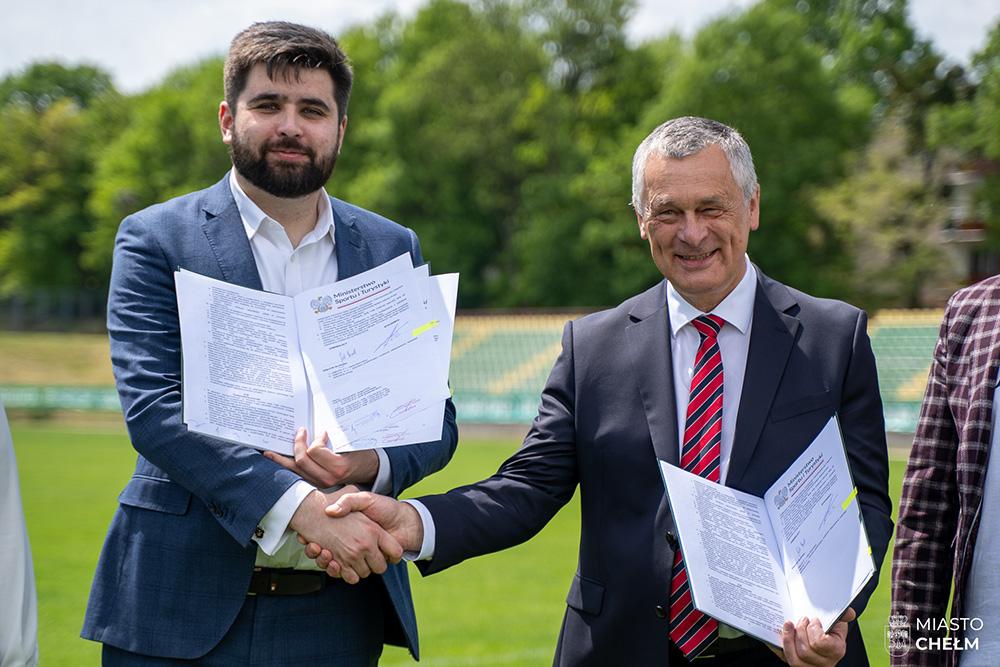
944, 477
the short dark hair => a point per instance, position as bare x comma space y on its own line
285, 48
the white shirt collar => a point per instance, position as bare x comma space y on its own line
736, 308
253, 217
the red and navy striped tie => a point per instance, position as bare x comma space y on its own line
690, 630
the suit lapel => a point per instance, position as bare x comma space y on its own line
771, 339
352, 250
227, 237
649, 350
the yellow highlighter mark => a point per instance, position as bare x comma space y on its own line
847, 501
425, 327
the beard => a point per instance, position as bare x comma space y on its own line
284, 179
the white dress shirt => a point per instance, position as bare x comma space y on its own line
289, 271
18, 603
734, 342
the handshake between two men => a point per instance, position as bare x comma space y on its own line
349, 533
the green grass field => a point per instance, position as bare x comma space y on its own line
503, 609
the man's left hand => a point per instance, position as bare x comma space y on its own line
322, 467
805, 643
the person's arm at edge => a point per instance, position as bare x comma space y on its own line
928, 510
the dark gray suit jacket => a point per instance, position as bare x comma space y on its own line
177, 561
608, 412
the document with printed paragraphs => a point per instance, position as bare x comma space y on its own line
801, 550
364, 359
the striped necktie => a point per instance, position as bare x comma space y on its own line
690, 630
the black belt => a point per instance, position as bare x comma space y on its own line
272, 581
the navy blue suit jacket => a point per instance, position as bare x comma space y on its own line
608, 412
177, 561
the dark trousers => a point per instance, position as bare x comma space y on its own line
340, 626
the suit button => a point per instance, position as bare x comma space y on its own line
216, 510
660, 611
671, 540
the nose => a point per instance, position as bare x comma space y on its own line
692, 232
288, 123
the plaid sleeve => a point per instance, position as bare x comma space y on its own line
928, 511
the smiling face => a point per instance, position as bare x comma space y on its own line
284, 136
697, 224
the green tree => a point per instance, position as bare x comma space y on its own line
595, 86
368, 165
890, 222
170, 146
44, 179
53, 117
583, 39
445, 141
578, 243
43, 84
759, 73
971, 127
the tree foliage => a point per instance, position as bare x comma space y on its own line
170, 146
888, 213
43, 84
54, 121
502, 131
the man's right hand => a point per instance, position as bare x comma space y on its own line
400, 520
358, 544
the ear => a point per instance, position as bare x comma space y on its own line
643, 233
342, 130
226, 121
753, 207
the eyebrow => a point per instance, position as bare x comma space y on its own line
277, 97
666, 202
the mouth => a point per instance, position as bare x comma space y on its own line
289, 154
696, 258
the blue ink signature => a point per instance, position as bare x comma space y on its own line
394, 438
362, 443
401, 410
392, 335
347, 354
363, 421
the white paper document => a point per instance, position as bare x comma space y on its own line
801, 550
364, 359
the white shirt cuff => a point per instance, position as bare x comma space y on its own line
272, 531
427, 546
383, 479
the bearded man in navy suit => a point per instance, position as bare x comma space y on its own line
617, 400
200, 562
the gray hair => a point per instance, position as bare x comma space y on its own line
680, 137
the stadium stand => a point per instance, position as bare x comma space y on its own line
500, 363
903, 341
